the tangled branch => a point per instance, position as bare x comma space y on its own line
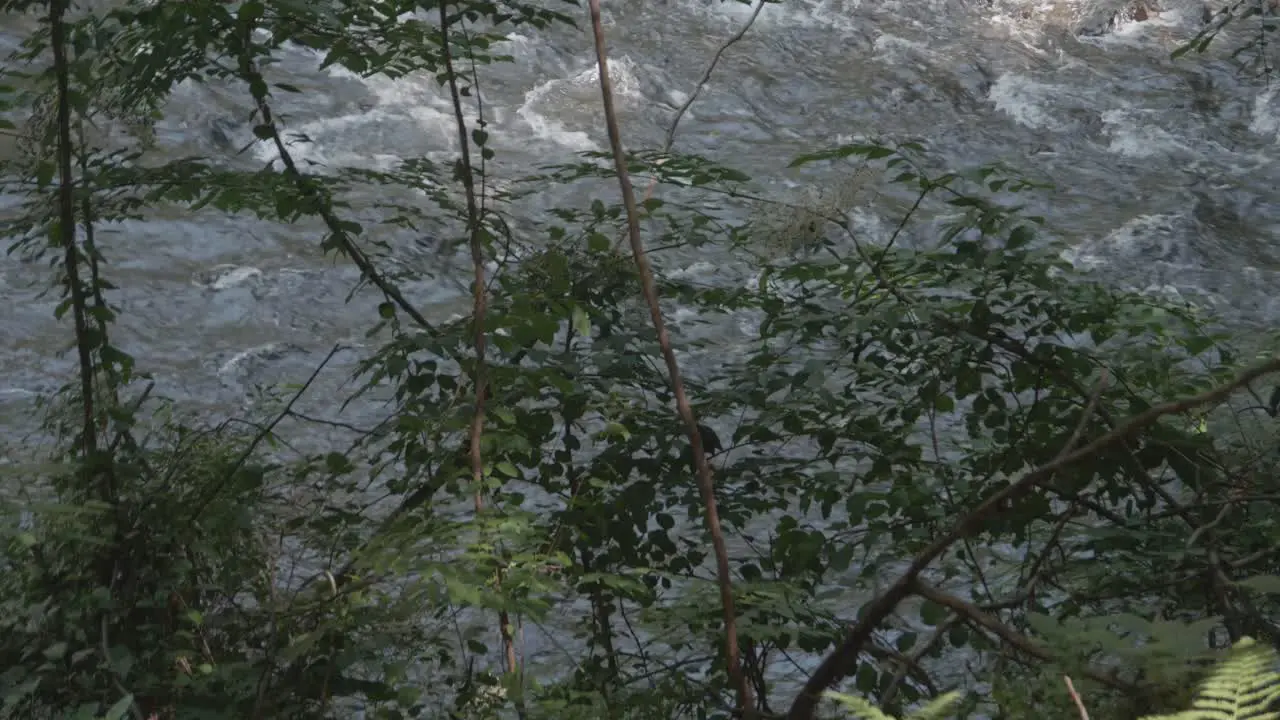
839, 662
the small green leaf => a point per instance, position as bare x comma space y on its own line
386, 310
618, 430
337, 463
56, 651
1198, 344
1020, 236
121, 707
932, 613
1269, 584
581, 322
598, 242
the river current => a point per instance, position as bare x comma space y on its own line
1163, 170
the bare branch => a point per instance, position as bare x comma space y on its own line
702, 83
706, 485
1075, 696
993, 625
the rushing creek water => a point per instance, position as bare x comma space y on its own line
1163, 169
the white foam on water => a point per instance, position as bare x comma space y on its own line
547, 103
409, 109
699, 270
901, 51
224, 277
835, 15
544, 128
1265, 120
247, 360
1025, 100
1153, 237
1134, 134
1160, 28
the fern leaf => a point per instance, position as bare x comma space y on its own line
860, 708
938, 707
1246, 686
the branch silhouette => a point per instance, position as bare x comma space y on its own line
839, 663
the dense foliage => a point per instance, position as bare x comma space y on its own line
875, 397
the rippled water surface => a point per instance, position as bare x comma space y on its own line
1163, 169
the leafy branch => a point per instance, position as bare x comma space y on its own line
837, 664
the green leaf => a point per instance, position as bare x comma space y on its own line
386, 310
598, 242
1020, 237
55, 651
581, 322
121, 707
44, 173
932, 613
337, 463
1269, 584
1197, 344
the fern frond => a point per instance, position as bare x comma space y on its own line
860, 708
1246, 686
937, 708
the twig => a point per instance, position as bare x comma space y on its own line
706, 77
262, 435
706, 485
321, 204
702, 83
1071, 688
475, 232
913, 661
837, 664
993, 625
